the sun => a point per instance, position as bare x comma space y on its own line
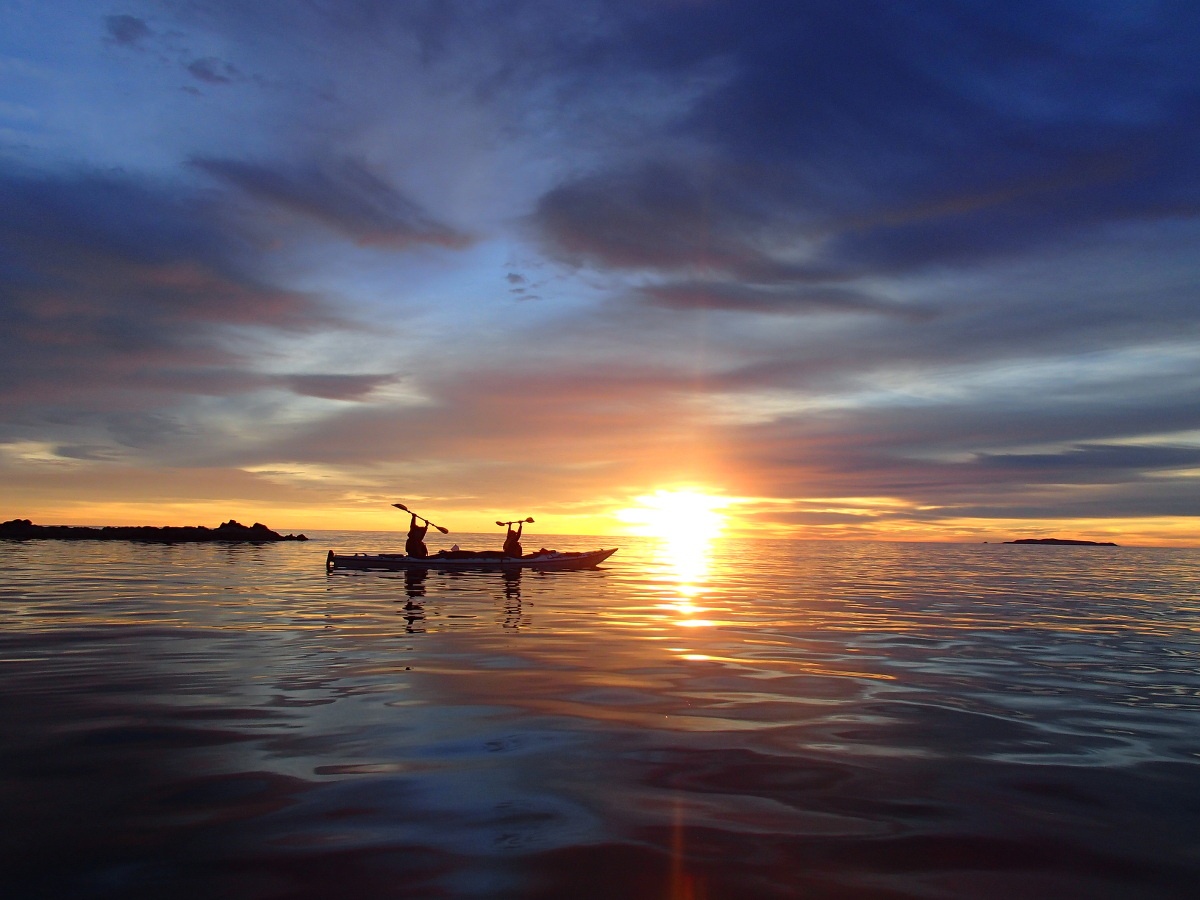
678, 516
685, 520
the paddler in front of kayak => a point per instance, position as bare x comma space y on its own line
512, 540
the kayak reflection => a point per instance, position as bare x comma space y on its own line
414, 582
508, 595
512, 600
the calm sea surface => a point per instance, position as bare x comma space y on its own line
826, 721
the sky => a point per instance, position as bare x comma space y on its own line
911, 271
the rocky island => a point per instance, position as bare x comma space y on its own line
231, 531
1063, 541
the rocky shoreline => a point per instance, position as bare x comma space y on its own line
231, 532
1063, 541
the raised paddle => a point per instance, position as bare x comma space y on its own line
422, 518
516, 522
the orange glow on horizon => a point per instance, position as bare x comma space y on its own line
686, 519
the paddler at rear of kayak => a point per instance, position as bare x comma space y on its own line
415, 544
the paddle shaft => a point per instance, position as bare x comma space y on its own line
516, 522
422, 518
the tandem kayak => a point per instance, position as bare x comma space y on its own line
464, 559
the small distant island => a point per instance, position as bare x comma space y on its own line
231, 531
1060, 541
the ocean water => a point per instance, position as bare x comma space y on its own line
772, 719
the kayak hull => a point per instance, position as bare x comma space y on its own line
483, 562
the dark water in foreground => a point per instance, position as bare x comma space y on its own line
840, 721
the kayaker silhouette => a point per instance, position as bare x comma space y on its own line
512, 541
415, 545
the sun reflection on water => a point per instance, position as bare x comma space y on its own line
686, 523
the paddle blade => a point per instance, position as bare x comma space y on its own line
501, 524
400, 506
530, 520
441, 529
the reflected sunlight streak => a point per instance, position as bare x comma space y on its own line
686, 522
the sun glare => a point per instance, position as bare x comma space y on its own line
686, 521
682, 515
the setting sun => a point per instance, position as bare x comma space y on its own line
678, 516
685, 520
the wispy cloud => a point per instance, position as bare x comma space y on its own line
118, 296
126, 29
345, 196
211, 70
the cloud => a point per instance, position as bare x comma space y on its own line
1090, 461
653, 216
337, 387
845, 144
738, 296
126, 29
109, 284
211, 70
231, 381
533, 422
344, 196
987, 456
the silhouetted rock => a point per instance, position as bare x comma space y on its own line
1061, 541
231, 531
